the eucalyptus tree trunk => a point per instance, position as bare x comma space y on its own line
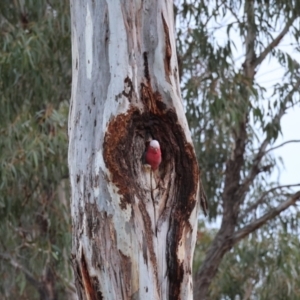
134, 230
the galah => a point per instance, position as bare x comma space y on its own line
153, 155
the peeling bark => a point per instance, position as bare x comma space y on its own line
125, 92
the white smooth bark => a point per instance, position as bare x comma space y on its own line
125, 91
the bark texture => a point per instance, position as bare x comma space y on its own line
125, 92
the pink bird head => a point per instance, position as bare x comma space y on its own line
153, 154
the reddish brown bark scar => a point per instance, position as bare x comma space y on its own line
90, 284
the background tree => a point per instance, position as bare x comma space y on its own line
235, 122
35, 81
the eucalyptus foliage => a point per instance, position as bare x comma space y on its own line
35, 78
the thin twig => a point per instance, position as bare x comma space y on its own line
264, 194
17, 265
240, 234
275, 42
233, 13
287, 142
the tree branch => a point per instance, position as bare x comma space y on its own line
287, 142
44, 287
275, 42
232, 12
250, 40
234, 164
248, 291
261, 199
240, 234
17, 265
